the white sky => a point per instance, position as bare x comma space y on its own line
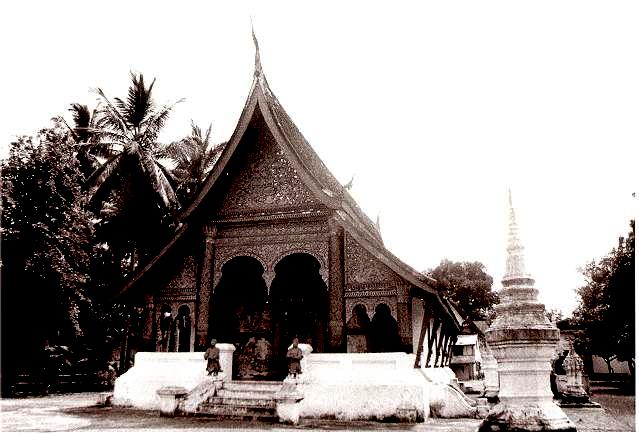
436, 107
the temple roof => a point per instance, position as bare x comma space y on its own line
299, 152
315, 175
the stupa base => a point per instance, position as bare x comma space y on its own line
546, 417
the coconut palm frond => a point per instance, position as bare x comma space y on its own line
82, 121
149, 168
156, 121
167, 184
139, 103
207, 136
110, 116
211, 156
170, 176
103, 149
178, 151
162, 185
98, 180
61, 120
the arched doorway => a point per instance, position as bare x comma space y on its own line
358, 330
299, 306
384, 331
183, 329
240, 315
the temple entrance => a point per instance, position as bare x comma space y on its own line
240, 315
261, 325
299, 306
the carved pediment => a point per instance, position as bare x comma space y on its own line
362, 267
263, 177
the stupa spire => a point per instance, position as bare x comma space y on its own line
515, 260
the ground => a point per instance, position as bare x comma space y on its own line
618, 412
77, 412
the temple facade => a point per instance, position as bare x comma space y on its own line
273, 247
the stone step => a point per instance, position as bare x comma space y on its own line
242, 401
257, 394
271, 386
258, 403
237, 412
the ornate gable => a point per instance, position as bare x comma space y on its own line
263, 179
363, 268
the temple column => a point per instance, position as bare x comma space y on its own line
404, 318
336, 312
148, 339
205, 289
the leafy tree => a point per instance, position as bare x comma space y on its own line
554, 315
606, 313
468, 286
194, 157
46, 244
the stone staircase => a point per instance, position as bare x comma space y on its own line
254, 400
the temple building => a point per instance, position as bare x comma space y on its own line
273, 247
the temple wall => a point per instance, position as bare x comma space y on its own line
174, 292
370, 283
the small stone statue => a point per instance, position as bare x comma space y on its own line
293, 356
573, 366
212, 356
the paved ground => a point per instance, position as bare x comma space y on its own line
616, 415
77, 412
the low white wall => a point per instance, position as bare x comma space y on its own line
355, 386
361, 386
446, 400
154, 370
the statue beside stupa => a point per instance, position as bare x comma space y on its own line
523, 341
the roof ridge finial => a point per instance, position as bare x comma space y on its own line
258, 62
510, 198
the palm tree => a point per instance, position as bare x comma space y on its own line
194, 157
131, 127
86, 137
133, 191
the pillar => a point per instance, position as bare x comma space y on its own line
147, 335
306, 351
336, 313
226, 360
404, 318
206, 287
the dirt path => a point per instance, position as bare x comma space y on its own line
78, 412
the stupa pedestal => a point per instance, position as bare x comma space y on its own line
523, 341
491, 377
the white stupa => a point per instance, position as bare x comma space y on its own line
523, 341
